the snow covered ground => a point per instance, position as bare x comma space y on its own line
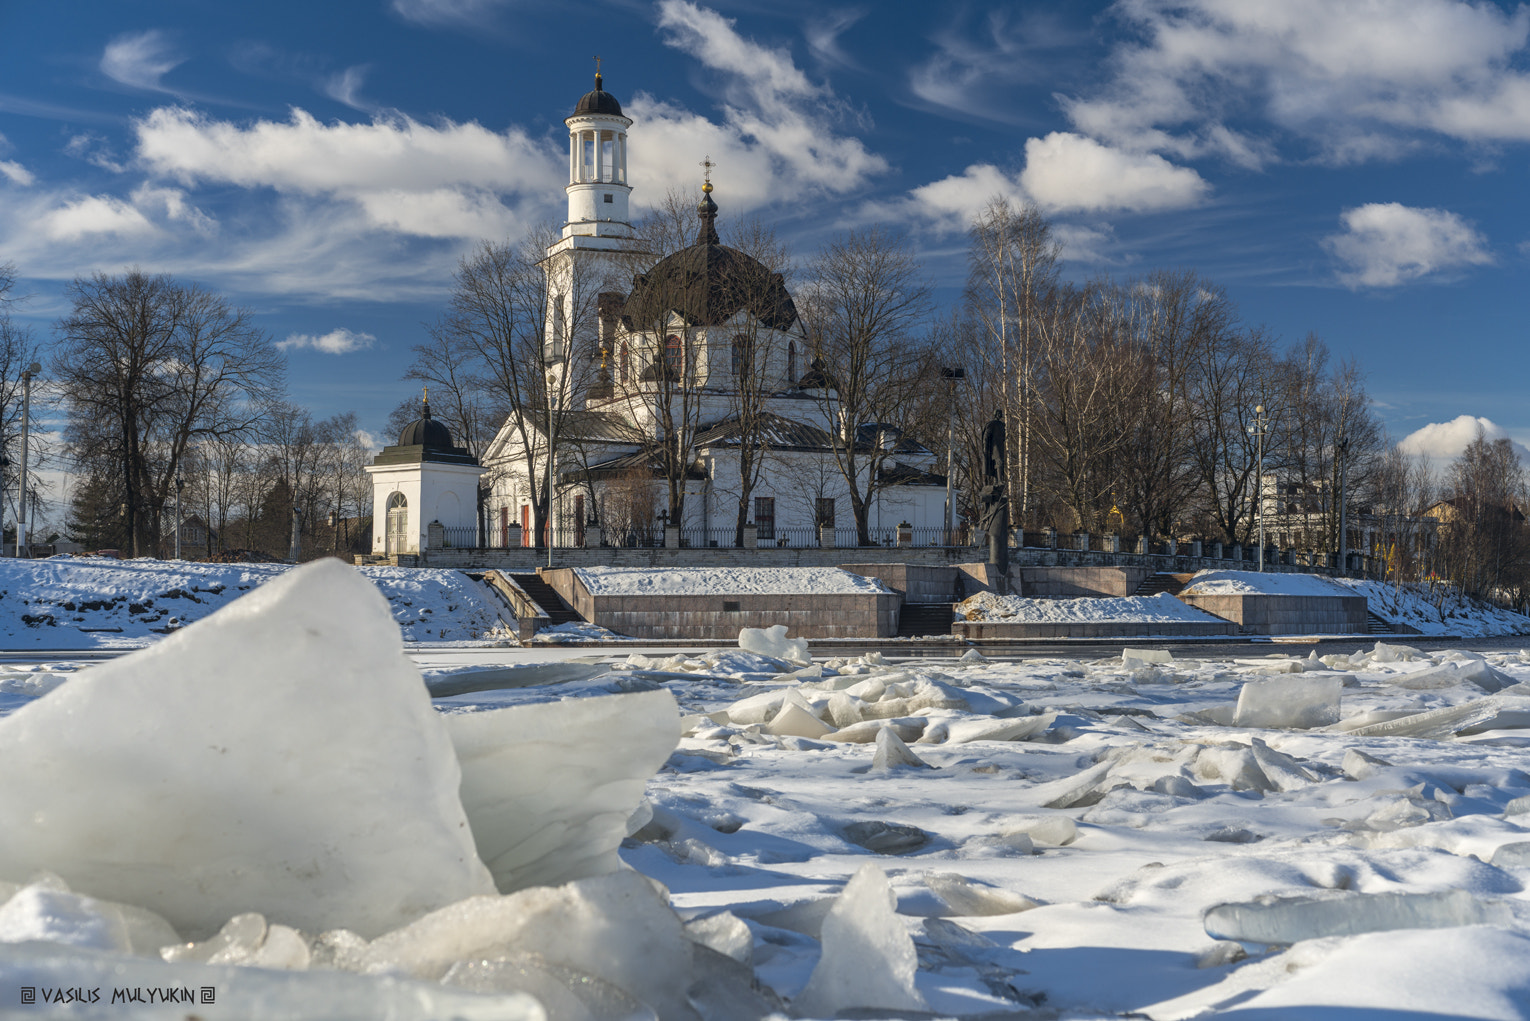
725, 581
1070, 837
1433, 610
97, 602
1437, 611
1160, 609
1246, 583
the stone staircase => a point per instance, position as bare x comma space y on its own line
546, 597
1376, 624
916, 620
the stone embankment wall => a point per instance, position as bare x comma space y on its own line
721, 616
1287, 615
1025, 630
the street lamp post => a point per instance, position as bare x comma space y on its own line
26, 421
951, 375
179, 483
1259, 428
552, 378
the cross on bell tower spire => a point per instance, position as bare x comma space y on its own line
707, 210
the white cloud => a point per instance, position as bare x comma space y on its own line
431, 181
93, 215
336, 342
778, 134
140, 59
448, 12
1385, 244
345, 87
1065, 172
93, 149
823, 32
1444, 441
1327, 71
171, 203
954, 202
15, 173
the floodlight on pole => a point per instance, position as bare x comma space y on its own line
952, 375
1260, 427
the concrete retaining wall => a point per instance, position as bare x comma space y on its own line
721, 616
1073, 582
1087, 629
918, 583
1287, 615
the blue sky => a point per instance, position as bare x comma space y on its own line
1354, 169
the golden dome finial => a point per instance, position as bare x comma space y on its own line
706, 181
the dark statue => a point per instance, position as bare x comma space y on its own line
995, 502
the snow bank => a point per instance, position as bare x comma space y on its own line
1160, 609
280, 756
1436, 609
1254, 583
725, 581
89, 602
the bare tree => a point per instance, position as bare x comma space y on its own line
160, 365
865, 300
1012, 259
1485, 545
18, 350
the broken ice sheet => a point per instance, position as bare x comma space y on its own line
1282, 920
544, 810
280, 755
1300, 702
868, 958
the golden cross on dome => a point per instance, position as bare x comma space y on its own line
597, 63
706, 165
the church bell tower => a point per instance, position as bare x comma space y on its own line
598, 188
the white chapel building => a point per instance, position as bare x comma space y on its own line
629, 341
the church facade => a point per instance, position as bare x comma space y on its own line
680, 391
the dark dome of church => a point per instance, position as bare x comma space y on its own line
707, 284
426, 432
598, 101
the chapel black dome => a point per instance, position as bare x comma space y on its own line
598, 101
707, 284
426, 432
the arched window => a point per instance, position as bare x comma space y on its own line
674, 354
398, 524
623, 362
791, 361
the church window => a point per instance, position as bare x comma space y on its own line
674, 350
791, 361
557, 329
623, 362
609, 200
823, 511
739, 361
765, 516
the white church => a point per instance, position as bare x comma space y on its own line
704, 345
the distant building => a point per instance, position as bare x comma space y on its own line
423, 479
694, 324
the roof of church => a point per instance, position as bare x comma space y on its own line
707, 284
598, 101
425, 439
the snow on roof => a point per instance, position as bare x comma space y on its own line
1252, 583
725, 581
